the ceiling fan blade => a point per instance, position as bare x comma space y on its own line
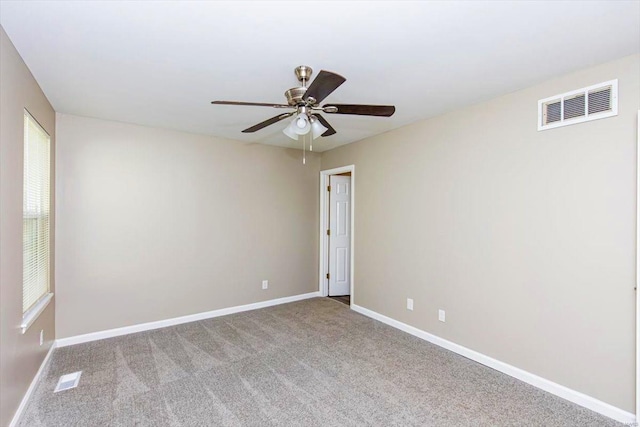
323, 85
330, 130
360, 109
255, 104
268, 122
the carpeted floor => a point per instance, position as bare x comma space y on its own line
313, 362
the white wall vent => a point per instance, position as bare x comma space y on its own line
589, 103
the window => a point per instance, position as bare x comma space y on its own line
35, 220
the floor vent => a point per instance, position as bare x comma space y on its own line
68, 381
578, 106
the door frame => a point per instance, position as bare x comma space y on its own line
323, 283
638, 272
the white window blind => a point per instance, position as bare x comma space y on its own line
35, 213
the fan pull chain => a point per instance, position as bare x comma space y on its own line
304, 151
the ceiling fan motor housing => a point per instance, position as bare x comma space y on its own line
295, 94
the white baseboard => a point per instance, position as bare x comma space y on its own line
94, 336
542, 383
32, 386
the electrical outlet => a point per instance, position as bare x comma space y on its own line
441, 315
409, 304
41, 336
265, 284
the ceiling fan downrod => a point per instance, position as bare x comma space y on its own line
303, 73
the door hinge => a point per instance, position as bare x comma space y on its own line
328, 188
328, 232
327, 275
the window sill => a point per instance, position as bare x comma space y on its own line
32, 314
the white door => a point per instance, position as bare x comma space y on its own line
339, 235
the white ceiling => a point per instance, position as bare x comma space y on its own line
161, 63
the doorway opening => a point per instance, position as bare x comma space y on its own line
345, 299
337, 233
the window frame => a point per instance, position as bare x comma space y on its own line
32, 313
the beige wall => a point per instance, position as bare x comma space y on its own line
20, 355
155, 224
525, 238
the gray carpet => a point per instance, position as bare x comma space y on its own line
308, 363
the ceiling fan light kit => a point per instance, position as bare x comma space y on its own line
301, 125
289, 131
317, 129
304, 102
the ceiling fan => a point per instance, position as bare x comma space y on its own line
304, 102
